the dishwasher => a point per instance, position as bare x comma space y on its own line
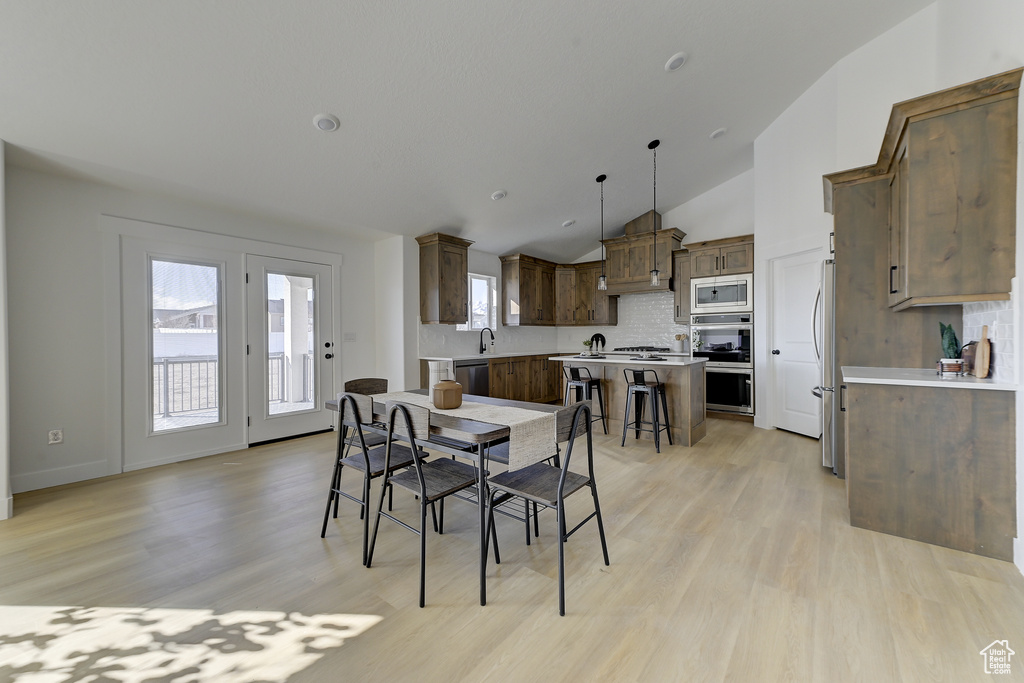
473, 375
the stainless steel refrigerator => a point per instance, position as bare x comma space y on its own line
824, 348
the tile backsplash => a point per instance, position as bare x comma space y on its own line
999, 317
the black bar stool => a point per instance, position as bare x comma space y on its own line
583, 388
642, 388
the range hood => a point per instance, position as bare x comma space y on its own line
630, 258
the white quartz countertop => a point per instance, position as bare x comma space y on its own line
919, 377
627, 359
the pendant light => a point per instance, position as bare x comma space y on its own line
655, 275
602, 281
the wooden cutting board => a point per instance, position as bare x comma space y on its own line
984, 354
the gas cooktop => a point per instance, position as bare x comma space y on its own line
654, 349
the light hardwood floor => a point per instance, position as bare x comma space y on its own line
732, 560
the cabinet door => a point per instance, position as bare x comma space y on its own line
454, 285
498, 378
639, 259
542, 388
897, 276
586, 293
529, 306
545, 295
518, 384
738, 258
704, 262
664, 256
565, 296
681, 280
617, 263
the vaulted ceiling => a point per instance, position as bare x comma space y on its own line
440, 103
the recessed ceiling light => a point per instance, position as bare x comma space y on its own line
675, 61
500, 194
326, 122
569, 223
717, 133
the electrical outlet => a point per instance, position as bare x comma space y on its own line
55, 436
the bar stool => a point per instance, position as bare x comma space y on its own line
642, 388
584, 386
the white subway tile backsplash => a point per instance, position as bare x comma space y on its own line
1000, 318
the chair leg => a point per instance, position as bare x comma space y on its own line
600, 522
639, 409
664, 406
565, 400
561, 559
376, 522
423, 552
440, 523
654, 422
526, 518
536, 524
365, 511
625, 417
332, 497
600, 403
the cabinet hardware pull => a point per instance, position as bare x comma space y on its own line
892, 289
842, 397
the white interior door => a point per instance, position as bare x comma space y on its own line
290, 347
792, 358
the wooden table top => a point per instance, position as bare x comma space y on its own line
460, 428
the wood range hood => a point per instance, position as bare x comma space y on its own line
630, 258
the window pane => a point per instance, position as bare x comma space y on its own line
482, 303
186, 350
291, 380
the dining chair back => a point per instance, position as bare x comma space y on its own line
355, 411
548, 485
430, 481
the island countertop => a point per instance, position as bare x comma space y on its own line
618, 359
919, 377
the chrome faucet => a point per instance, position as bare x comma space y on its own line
483, 349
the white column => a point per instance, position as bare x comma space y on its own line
6, 497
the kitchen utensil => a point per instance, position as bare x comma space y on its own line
983, 355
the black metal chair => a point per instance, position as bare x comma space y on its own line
367, 386
642, 389
584, 388
430, 481
549, 486
370, 461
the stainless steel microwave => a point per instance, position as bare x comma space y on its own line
724, 293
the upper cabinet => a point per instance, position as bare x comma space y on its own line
951, 161
722, 257
527, 290
578, 301
630, 258
444, 279
681, 278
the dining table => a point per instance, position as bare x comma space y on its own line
470, 438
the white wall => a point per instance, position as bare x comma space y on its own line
59, 328
396, 298
724, 211
6, 497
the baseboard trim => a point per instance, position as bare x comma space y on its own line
7, 511
44, 479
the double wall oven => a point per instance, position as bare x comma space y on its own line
725, 340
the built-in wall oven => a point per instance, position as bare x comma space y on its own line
722, 293
725, 340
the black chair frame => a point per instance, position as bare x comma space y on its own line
641, 389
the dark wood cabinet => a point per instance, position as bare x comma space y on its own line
527, 291
444, 279
728, 256
933, 464
630, 259
545, 379
509, 378
952, 199
681, 285
578, 301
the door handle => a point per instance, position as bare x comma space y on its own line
776, 352
892, 289
328, 356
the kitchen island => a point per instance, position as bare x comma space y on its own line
682, 376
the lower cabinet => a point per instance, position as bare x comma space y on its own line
525, 378
933, 464
546, 379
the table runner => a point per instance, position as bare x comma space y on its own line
532, 435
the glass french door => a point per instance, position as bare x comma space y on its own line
290, 347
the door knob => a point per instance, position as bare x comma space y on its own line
775, 352
328, 356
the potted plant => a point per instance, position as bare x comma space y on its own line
587, 343
951, 361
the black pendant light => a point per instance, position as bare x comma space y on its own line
602, 281
655, 275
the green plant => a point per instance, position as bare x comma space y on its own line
950, 344
588, 343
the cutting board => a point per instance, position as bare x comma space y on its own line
984, 354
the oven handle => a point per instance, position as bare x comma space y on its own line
731, 371
722, 326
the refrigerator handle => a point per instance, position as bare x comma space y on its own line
814, 324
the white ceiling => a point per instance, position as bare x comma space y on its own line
441, 103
